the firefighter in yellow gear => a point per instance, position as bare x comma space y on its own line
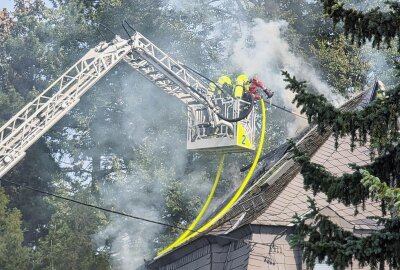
242, 85
223, 82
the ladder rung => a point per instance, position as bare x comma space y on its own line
153, 73
161, 80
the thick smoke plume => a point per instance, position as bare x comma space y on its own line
268, 53
155, 124
263, 51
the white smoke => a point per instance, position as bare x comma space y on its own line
262, 50
179, 5
140, 195
269, 54
156, 124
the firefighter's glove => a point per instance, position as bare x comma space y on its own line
268, 93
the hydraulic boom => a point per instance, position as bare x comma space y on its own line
206, 130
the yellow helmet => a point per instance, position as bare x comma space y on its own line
224, 79
242, 78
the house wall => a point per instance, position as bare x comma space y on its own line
264, 247
210, 256
271, 249
198, 259
233, 256
276, 253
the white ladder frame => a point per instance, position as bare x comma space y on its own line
39, 115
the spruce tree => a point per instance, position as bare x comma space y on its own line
13, 255
378, 125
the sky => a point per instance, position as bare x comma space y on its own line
9, 4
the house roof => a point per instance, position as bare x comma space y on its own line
277, 193
293, 198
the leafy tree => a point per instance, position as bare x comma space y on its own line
68, 244
5, 30
37, 170
24, 48
10, 102
377, 124
342, 64
366, 26
48, 42
5, 24
12, 253
25, 63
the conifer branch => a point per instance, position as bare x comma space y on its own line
321, 239
373, 25
378, 121
381, 191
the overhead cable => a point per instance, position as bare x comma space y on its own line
127, 215
283, 108
202, 211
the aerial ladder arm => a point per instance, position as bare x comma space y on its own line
213, 123
39, 115
165, 72
170, 76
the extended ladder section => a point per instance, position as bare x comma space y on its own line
206, 131
38, 116
166, 73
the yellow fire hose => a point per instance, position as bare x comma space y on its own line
201, 213
234, 198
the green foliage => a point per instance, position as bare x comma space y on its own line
10, 102
376, 124
107, 141
12, 254
5, 24
23, 48
37, 170
24, 62
381, 191
342, 64
378, 121
179, 210
372, 25
321, 239
351, 189
68, 244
